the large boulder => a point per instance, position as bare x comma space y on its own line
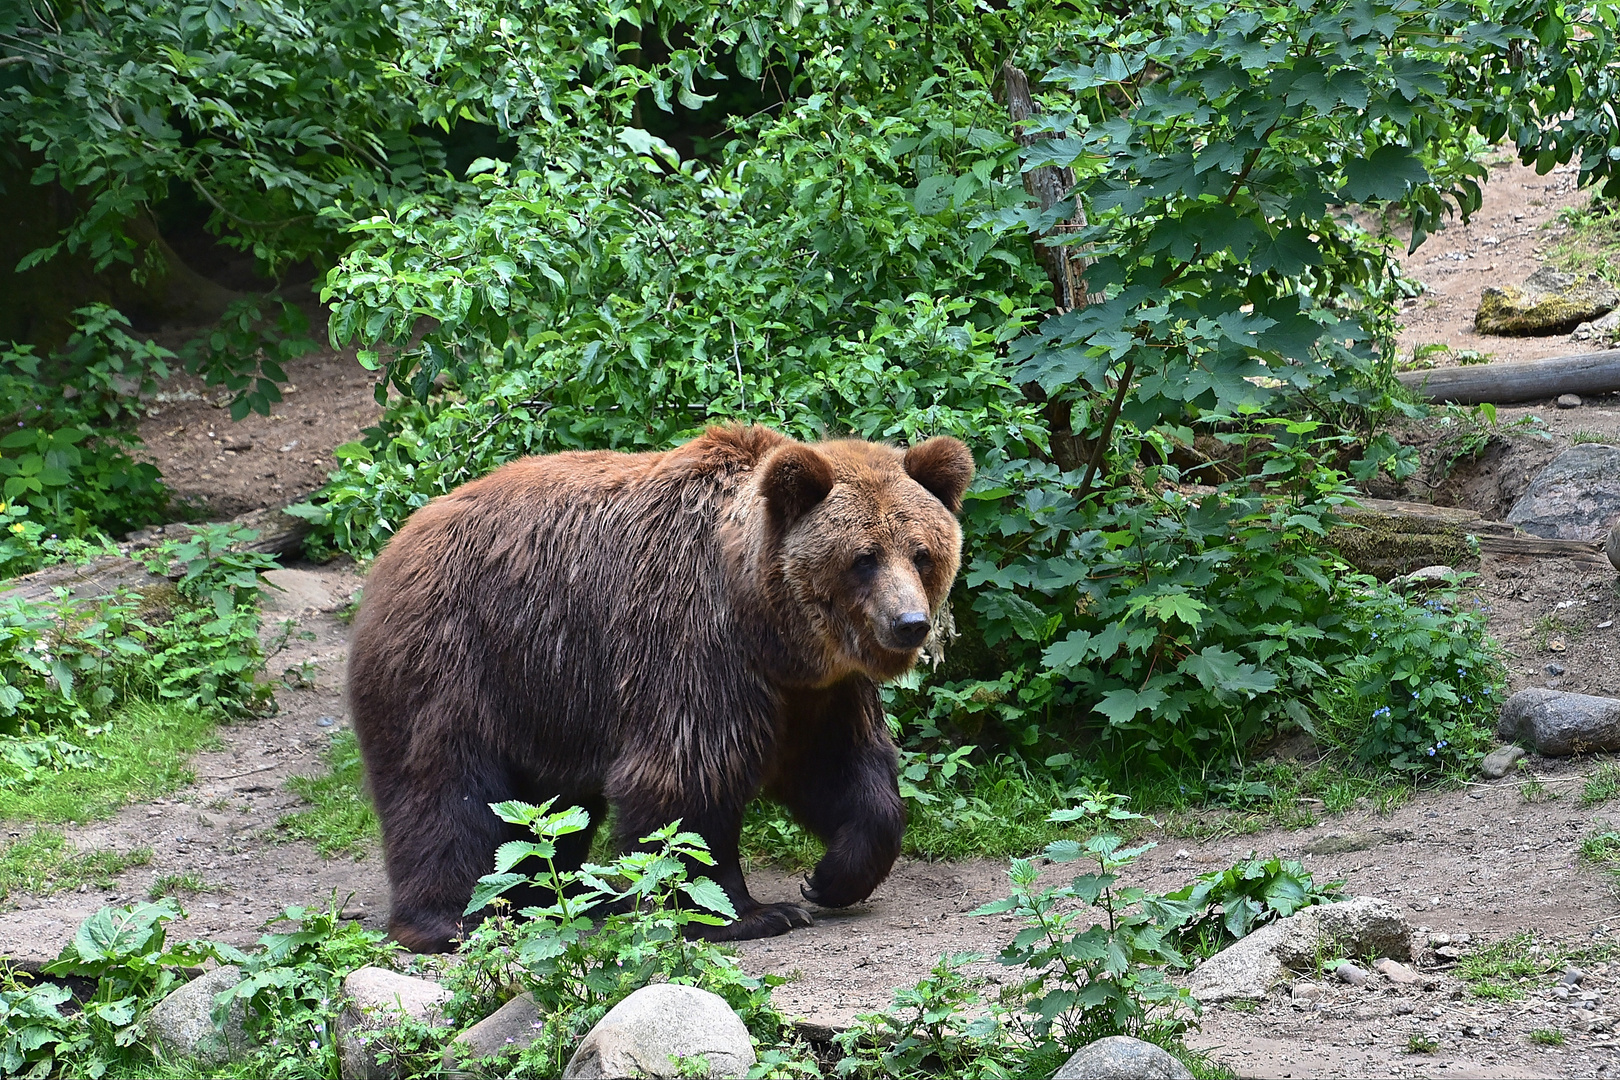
183, 1026
1559, 724
1548, 303
658, 1031
1120, 1057
375, 999
1576, 497
1250, 967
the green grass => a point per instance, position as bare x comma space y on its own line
1502, 971
1590, 437
142, 754
1422, 1044
179, 884
1600, 847
1592, 244
1547, 1037
1602, 785
43, 862
340, 820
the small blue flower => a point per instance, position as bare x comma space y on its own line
1431, 751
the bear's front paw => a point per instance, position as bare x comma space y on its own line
831, 895
766, 920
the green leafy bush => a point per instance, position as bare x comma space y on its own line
1249, 894
66, 462
69, 666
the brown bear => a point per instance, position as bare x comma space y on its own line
669, 633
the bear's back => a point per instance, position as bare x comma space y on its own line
578, 594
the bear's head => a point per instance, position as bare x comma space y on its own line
865, 545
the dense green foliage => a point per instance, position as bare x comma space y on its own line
70, 669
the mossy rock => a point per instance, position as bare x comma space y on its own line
1548, 303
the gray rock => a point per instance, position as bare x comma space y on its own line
1611, 546
1499, 762
1574, 976
1248, 969
655, 1029
1568, 401
295, 591
1548, 303
1431, 575
509, 1029
1605, 329
1354, 974
1397, 972
1576, 497
378, 999
183, 1026
1558, 724
1120, 1057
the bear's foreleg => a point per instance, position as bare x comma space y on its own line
720, 825
839, 777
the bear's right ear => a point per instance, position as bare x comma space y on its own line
795, 478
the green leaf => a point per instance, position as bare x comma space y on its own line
707, 895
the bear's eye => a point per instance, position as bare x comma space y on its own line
922, 560
865, 563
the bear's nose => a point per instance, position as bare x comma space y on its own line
910, 628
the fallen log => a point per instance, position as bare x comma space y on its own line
1518, 380
279, 534
1388, 538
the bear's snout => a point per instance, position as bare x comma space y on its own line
908, 630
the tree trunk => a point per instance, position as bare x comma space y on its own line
1050, 184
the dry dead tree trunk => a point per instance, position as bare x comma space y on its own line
1519, 380
1049, 185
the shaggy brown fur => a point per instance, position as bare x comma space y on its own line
670, 633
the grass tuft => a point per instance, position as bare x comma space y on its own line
1602, 785
43, 862
142, 754
1547, 1037
340, 820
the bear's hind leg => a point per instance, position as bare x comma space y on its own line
440, 838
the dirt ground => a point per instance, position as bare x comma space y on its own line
1480, 861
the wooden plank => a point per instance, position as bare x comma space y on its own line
1519, 380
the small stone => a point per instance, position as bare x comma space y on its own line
238, 443
1306, 991
509, 1029
1431, 575
1397, 972
353, 911
378, 999
658, 1030
1568, 401
1497, 764
1448, 952
1437, 940
1574, 976
1404, 1008
1561, 993
1350, 973
326, 721
1559, 724
1120, 1057
182, 1023
1555, 669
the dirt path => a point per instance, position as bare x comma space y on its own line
1481, 861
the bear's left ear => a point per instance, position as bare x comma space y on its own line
944, 466
795, 478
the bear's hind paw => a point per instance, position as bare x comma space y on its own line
766, 920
